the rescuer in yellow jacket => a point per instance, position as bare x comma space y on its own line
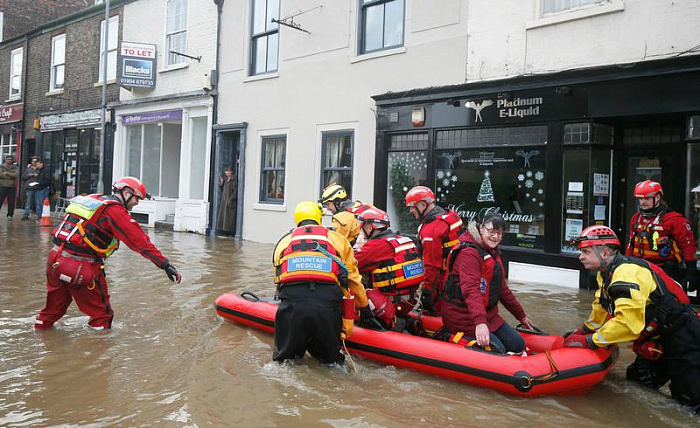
319, 285
336, 200
638, 302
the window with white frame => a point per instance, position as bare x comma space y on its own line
8, 146
272, 170
336, 155
176, 32
264, 44
549, 6
2, 19
382, 24
111, 48
16, 73
58, 62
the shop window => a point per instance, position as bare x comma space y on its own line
694, 127
588, 133
16, 73
58, 62
652, 135
694, 181
111, 48
382, 24
489, 170
88, 160
265, 36
587, 188
273, 169
408, 167
561, 5
176, 32
336, 153
198, 157
153, 155
8, 146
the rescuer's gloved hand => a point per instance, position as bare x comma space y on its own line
648, 350
580, 341
367, 318
583, 330
692, 277
172, 273
346, 329
426, 302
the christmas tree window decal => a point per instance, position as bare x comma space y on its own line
486, 191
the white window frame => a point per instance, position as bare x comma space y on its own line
172, 60
16, 55
2, 21
55, 63
113, 29
270, 30
8, 146
579, 12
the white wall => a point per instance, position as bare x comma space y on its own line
508, 38
144, 22
322, 85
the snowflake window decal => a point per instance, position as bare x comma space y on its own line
529, 184
529, 174
521, 177
539, 175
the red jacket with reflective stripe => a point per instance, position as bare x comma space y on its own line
438, 230
666, 237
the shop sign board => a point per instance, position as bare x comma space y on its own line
152, 117
11, 113
55, 122
138, 65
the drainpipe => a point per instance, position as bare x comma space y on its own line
215, 117
103, 122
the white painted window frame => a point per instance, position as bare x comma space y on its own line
111, 73
581, 12
177, 60
55, 64
13, 58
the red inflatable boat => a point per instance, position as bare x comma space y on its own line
550, 369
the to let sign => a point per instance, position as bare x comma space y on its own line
11, 113
138, 65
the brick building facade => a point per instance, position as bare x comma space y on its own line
64, 95
22, 16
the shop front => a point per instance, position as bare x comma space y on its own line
11, 130
553, 154
168, 149
70, 148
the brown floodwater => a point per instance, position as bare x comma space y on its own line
171, 361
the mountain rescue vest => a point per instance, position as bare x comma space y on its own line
310, 257
80, 228
403, 273
491, 278
651, 241
451, 239
668, 301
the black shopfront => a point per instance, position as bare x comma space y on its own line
555, 153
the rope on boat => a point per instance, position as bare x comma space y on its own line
352, 362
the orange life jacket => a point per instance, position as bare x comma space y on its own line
81, 229
310, 257
651, 241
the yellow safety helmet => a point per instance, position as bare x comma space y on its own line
307, 210
333, 192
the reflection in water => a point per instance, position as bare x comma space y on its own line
170, 360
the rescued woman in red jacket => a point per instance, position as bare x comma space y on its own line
89, 233
476, 284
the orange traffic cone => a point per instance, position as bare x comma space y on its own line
46, 214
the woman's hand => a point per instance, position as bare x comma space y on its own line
482, 335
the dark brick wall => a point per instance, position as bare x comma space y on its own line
5, 51
81, 74
22, 16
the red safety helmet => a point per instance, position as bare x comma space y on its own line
647, 189
133, 183
419, 193
597, 235
377, 218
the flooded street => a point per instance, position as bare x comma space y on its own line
171, 361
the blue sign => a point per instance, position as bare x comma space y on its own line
312, 263
413, 270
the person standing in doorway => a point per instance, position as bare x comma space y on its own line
662, 236
226, 219
8, 183
29, 176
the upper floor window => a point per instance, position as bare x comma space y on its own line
336, 155
111, 48
265, 36
382, 24
273, 168
16, 73
58, 62
176, 31
561, 5
2, 18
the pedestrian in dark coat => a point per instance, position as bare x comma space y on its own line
8, 184
226, 220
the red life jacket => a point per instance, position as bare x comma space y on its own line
491, 278
651, 241
81, 229
451, 239
402, 274
310, 257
